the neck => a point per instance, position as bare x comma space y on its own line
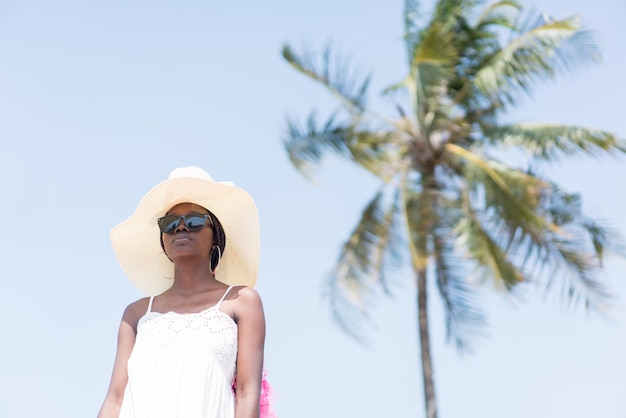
190, 277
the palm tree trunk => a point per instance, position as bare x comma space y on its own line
424, 337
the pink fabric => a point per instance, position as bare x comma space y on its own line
267, 396
266, 399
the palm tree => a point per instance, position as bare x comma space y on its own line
460, 193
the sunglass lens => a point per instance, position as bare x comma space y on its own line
195, 222
168, 224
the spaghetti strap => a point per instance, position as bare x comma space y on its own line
150, 304
218, 304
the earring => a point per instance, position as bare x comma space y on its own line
214, 263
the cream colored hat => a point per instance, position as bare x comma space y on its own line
136, 240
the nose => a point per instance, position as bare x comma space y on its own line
181, 225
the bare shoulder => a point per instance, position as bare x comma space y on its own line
243, 301
247, 294
249, 299
135, 311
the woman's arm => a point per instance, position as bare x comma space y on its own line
251, 339
125, 342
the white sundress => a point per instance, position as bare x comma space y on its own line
182, 365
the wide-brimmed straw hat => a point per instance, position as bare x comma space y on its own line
136, 240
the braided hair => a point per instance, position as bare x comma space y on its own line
219, 241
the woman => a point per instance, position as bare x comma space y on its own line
202, 328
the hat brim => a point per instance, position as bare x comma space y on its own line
136, 240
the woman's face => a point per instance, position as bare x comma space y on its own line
184, 243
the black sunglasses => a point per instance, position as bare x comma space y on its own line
194, 222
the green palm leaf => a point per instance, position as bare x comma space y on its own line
575, 255
551, 141
412, 17
335, 74
306, 145
502, 199
492, 262
360, 273
539, 52
498, 14
380, 152
465, 320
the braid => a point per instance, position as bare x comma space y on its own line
163, 246
219, 239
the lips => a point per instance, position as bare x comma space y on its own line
181, 239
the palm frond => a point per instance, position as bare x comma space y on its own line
417, 30
335, 73
544, 48
576, 271
506, 193
464, 318
550, 141
412, 16
306, 145
567, 256
600, 241
508, 220
604, 239
436, 48
433, 58
360, 273
574, 256
432, 55
449, 11
379, 152
566, 210
492, 262
496, 14
580, 48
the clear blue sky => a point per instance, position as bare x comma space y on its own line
99, 100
